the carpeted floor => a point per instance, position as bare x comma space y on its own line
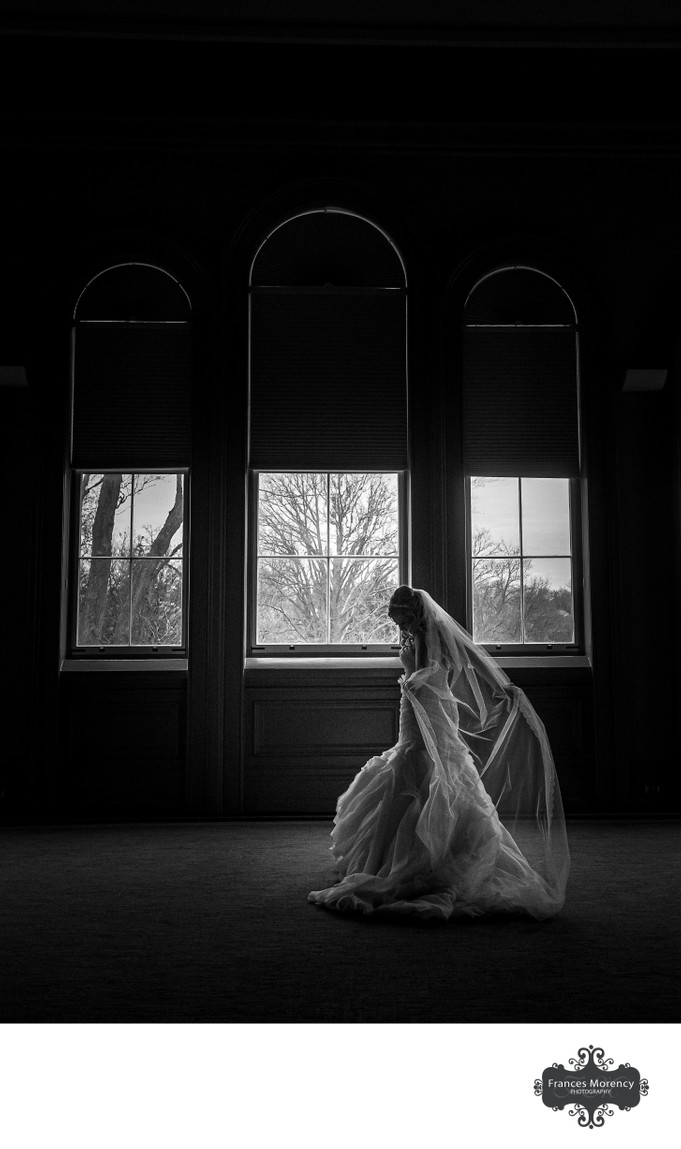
209, 922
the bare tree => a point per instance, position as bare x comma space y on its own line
548, 612
498, 601
326, 573
94, 600
147, 570
107, 610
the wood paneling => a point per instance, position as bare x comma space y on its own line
314, 728
566, 709
123, 745
305, 745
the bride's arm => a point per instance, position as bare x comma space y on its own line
420, 652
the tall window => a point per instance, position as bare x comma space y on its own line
522, 461
130, 457
328, 444
328, 558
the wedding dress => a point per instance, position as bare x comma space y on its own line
464, 814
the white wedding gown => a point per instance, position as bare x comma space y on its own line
417, 832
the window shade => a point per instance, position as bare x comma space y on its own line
520, 405
132, 395
328, 380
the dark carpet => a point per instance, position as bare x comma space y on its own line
209, 922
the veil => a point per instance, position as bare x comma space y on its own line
508, 744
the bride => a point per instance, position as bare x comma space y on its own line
464, 814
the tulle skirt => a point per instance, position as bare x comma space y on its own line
410, 838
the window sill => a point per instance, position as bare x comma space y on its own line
392, 662
381, 662
354, 674
545, 661
371, 662
123, 665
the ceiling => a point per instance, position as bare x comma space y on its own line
355, 21
383, 61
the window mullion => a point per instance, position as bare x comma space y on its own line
328, 558
522, 564
132, 509
576, 595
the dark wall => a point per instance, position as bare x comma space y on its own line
192, 169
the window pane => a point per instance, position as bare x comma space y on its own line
157, 515
156, 603
122, 515
292, 600
496, 600
548, 600
363, 515
105, 514
327, 557
292, 514
546, 516
494, 517
359, 595
103, 602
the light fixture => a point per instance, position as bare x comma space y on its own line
13, 377
645, 379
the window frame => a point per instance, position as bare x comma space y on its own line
127, 653
318, 650
537, 654
537, 649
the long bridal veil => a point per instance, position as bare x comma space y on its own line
508, 743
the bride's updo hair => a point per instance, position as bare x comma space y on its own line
410, 602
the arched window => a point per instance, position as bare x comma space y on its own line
328, 444
130, 454
522, 461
